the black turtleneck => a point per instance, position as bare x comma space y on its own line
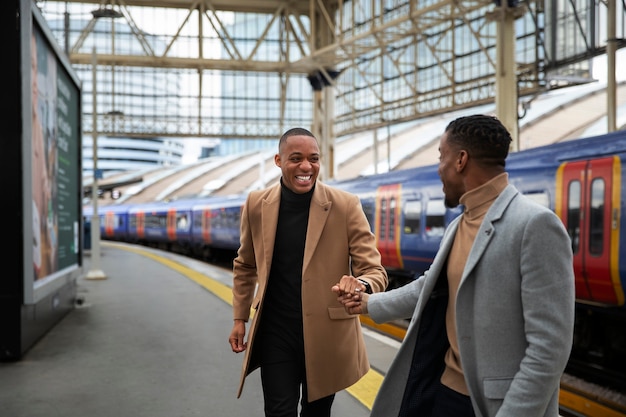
283, 298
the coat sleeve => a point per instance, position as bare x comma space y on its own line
244, 268
396, 304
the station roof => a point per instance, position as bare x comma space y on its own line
557, 116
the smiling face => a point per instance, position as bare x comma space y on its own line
299, 161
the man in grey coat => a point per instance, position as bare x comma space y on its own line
492, 320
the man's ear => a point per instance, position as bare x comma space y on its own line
277, 160
461, 161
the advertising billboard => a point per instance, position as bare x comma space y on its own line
55, 168
41, 170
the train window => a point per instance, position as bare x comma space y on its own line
412, 216
383, 220
219, 221
225, 219
197, 220
234, 219
435, 218
368, 209
539, 197
596, 219
392, 218
155, 221
150, 221
228, 219
182, 222
573, 214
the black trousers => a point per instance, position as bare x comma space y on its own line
281, 392
283, 373
449, 403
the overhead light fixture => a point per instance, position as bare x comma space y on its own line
106, 12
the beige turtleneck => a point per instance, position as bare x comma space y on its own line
476, 203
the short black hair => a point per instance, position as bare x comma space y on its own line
296, 131
484, 138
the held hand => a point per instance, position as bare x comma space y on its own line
348, 285
350, 293
237, 335
357, 304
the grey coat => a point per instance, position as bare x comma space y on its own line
514, 313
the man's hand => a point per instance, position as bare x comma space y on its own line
237, 335
351, 293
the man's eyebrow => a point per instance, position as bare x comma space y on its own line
297, 153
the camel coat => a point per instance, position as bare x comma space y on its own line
339, 241
514, 315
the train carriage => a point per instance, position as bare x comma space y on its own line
163, 225
113, 221
215, 227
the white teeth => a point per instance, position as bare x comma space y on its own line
300, 178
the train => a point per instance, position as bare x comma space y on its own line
580, 180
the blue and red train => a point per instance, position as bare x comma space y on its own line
580, 180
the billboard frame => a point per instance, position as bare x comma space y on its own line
32, 299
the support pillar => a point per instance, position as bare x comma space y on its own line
505, 14
323, 122
611, 84
95, 272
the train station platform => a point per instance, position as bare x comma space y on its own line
150, 340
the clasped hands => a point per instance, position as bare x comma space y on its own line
351, 293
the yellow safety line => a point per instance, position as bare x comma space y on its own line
576, 402
389, 329
364, 390
224, 292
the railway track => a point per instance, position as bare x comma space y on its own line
601, 375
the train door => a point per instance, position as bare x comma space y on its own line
170, 224
141, 224
588, 202
109, 224
206, 224
387, 228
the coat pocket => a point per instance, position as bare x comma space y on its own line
339, 313
496, 388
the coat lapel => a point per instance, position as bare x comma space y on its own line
320, 209
269, 219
